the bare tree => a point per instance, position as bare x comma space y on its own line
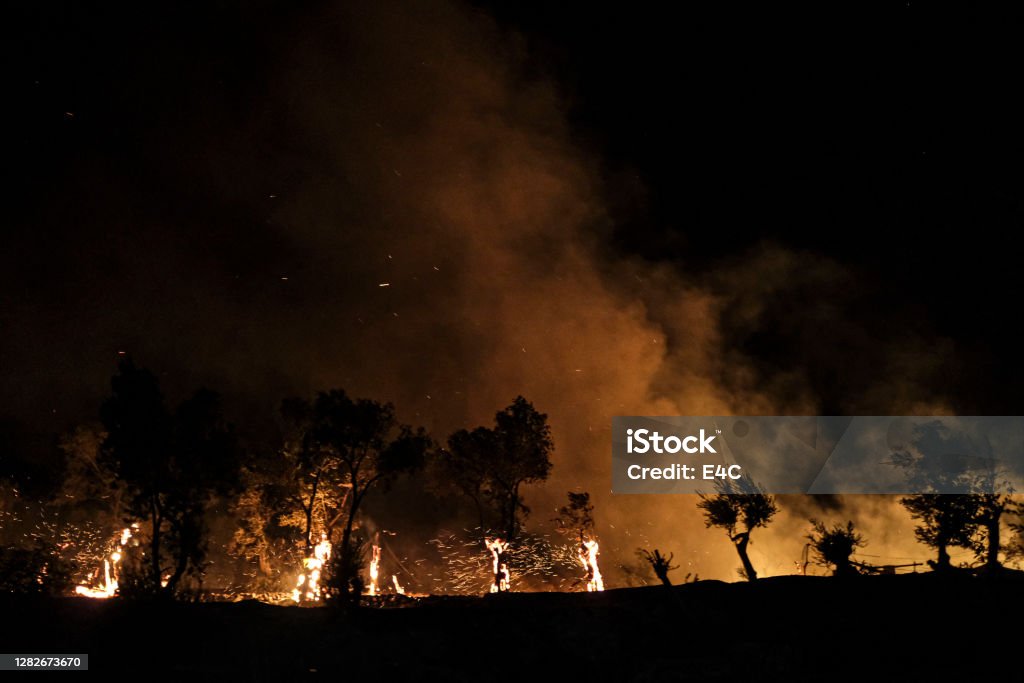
659, 563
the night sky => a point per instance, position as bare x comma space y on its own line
609, 211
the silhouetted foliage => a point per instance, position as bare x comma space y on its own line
490, 466
659, 563
345, 448
577, 517
945, 521
172, 466
963, 499
991, 507
833, 547
463, 467
343, 581
136, 580
36, 570
738, 507
1015, 548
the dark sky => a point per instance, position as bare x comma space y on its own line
607, 210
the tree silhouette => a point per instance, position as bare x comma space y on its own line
963, 497
990, 510
491, 465
138, 448
525, 445
945, 520
742, 505
463, 466
577, 517
319, 488
354, 446
659, 563
172, 465
834, 546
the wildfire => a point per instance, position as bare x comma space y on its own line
588, 558
501, 582
308, 585
111, 566
374, 569
398, 586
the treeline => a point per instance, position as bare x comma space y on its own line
152, 476
157, 472
970, 521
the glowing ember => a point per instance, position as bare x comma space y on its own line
111, 566
501, 582
307, 588
374, 569
588, 557
398, 586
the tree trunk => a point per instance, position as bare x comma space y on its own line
309, 515
179, 571
992, 527
513, 503
942, 563
154, 542
741, 540
844, 568
347, 562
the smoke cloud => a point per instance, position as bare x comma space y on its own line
400, 207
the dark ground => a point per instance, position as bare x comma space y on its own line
909, 627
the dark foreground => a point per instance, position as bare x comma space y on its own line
909, 627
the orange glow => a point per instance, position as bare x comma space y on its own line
374, 570
588, 557
111, 569
502, 580
307, 587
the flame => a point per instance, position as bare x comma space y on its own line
111, 566
588, 557
374, 570
398, 586
501, 582
308, 585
